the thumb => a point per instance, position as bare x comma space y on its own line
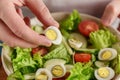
111, 12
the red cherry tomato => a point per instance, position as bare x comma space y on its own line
87, 26
41, 50
82, 57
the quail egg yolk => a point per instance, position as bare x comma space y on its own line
106, 55
57, 71
42, 76
51, 34
103, 72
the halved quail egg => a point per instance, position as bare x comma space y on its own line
43, 74
53, 34
104, 73
107, 54
56, 67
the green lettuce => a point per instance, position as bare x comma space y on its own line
38, 58
115, 64
23, 61
16, 76
102, 38
58, 52
81, 71
71, 22
117, 67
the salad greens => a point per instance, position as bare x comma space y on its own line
81, 71
102, 39
22, 61
116, 62
71, 22
39, 60
16, 76
58, 52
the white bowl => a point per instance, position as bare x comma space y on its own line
7, 65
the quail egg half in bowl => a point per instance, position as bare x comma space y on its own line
107, 54
104, 73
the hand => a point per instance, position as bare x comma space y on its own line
13, 28
112, 11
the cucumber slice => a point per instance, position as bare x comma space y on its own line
77, 41
101, 64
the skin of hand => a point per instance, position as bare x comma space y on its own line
14, 28
112, 11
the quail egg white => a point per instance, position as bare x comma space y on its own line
104, 73
53, 34
56, 67
43, 74
107, 54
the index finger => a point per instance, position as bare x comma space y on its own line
41, 11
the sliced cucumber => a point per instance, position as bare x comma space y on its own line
77, 41
38, 29
101, 64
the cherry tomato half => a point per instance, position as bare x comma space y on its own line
41, 50
82, 57
87, 26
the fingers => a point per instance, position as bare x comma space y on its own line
111, 12
42, 12
19, 11
27, 21
12, 40
20, 29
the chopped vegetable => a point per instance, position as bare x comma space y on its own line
59, 52
38, 29
102, 39
23, 61
82, 57
116, 62
71, 22
39, 60
101, 64
69, 49
87, 26
93, 51
41, 50
81, 71
77, 41
16, 76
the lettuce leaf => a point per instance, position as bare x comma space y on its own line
71, 22
102, 38
81, 71
58, 52
39, 60
23, 60
115, 63
16, 76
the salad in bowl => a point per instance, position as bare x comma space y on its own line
82, 49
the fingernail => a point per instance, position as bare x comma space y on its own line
49, 43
